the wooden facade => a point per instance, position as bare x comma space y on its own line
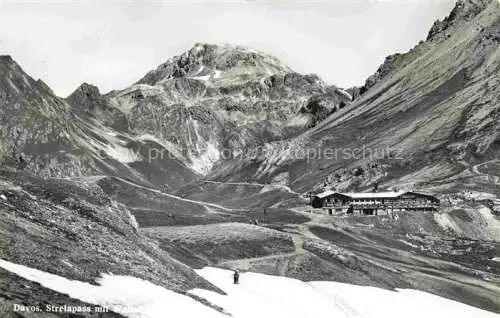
374, 203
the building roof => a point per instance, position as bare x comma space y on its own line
375, 195
372, 195
325, 194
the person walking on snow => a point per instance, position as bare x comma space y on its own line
236, 277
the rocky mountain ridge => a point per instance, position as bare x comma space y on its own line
463, 12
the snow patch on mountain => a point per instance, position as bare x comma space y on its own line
204, 78
299, 120
129, 296
257, 295
169, 146
202, 67
122, 154
203, 164
14, 87
346, 94
260, 295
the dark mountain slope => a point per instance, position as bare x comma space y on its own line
87, 101
67, 219
35, 123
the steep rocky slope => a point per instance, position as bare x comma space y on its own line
36, 125
80, 136
71, 228
463, 12
430, 123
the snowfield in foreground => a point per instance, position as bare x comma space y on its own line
260, 295
257, 295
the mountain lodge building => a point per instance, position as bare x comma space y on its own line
373, 203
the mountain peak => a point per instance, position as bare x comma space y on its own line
13, 80
210, 61
88, 90
87, 101
6, 59
86, 95
7, 63
463, 11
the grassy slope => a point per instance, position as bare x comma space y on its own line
216, 243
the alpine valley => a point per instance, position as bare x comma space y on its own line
205, 165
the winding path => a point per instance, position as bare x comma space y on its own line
207, 205
495, 179
256, 184
299, 233
474, 169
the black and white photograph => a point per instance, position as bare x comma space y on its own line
250, 158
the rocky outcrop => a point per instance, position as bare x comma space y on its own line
428, 119
354, 91
392, 64
87, 102
463, 12
323, 105
36, 125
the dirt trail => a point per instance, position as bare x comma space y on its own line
474, 169
298, 232
492, 178
262, 185
207, 205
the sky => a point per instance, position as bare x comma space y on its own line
112, 44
